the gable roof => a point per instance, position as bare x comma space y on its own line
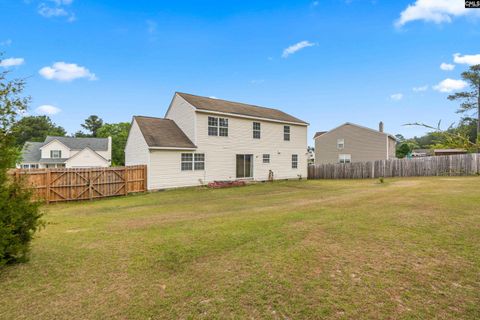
319, 134
163, 133
31, 152
96, 144
237, 108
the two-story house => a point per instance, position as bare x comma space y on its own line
67, 152
353, 143
201, 140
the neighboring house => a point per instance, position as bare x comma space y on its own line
67, 152
353, 143
449, 152
201, 140
421, 153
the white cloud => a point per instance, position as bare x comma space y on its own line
48, 110
466, 59
48, 12
296, 47
6, 43
447, 67
62, 71
449, 85
11, 62
56, 9
396, 96
437, 11
420, 89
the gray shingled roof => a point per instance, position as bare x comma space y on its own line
96, 144
31, 152
162, 133
219, 105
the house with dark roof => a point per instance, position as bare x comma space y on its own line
201, 140
351, 142
67, 152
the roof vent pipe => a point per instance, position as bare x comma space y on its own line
380, 126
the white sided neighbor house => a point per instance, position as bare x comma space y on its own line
202, 140
67, 152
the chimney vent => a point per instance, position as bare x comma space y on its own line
380, 126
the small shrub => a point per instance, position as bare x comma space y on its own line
19, 220
381, 180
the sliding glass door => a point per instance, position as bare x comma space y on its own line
244, 165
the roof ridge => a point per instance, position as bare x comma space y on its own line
218, 99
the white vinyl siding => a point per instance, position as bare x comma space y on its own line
136, 149
184, 116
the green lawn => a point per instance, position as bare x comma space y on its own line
405, 249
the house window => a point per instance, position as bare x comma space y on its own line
217, 126
199, 161
286, 133
340, 144
266, 158
193, 161
256, 130
294, 161
55, 154
345, 158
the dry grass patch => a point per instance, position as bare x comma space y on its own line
404, 249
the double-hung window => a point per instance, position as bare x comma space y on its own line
256, 130
217, 126
286, 133
55, 154
294, 161
193, 161
340, 144
345, 158
266, 158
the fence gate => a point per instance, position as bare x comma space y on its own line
56, 185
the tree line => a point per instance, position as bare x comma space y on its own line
462, 135
37, 128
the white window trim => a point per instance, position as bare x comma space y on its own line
266, 158
218, 126
340, 142
52, 152
192, 162
344, 157
295, 161
259, 130
289, 133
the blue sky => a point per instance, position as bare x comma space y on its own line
356, 60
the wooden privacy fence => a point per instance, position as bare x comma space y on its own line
455, 165
54, 185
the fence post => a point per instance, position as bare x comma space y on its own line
90, 185
47, 185
125, 178
145, 182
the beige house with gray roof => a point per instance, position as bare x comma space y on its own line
201, 140
67, 152
353, 143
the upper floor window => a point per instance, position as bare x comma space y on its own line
55, 154
340, 144
217, 126
256, 130
294, 161
286, 133
193, 161
345, 158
